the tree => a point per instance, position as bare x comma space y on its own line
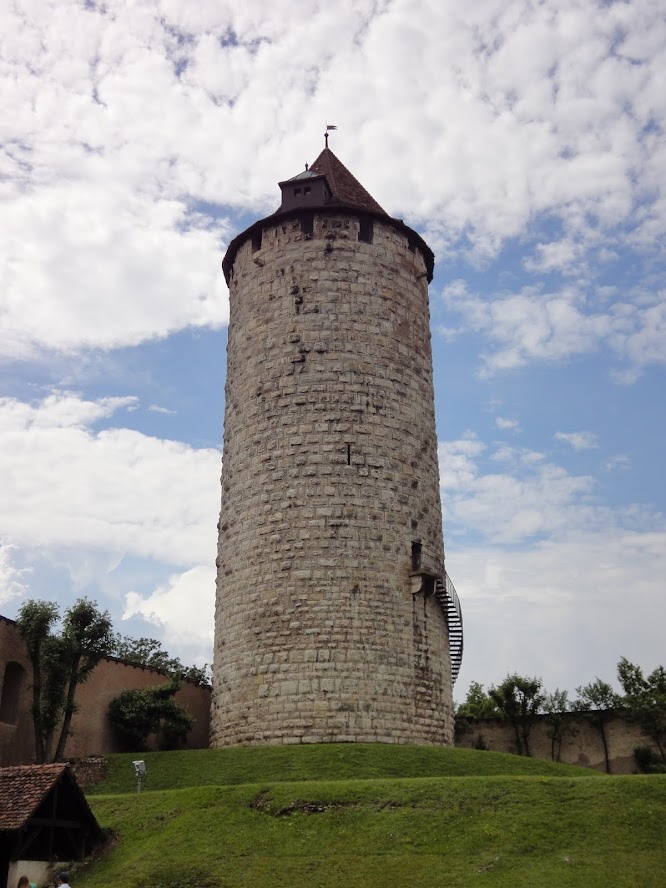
559, 725
149, 652
34, 622
644, 701
519, 699
138, 714
85, 640
60, 662
599, 700
478, 704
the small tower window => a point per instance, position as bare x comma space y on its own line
365, 230
416, 556
306, 190
307, 225
297, 192
256, 240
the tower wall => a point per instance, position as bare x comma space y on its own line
330, 487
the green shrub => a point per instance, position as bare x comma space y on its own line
648, 761
139, 714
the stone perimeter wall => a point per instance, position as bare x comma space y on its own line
91, 730
582, 744
330, 475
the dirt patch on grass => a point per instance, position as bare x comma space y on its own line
263, 802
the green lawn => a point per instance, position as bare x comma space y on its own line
376, 816
212, 767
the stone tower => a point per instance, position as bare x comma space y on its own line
331, 614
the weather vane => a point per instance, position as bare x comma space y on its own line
329, 126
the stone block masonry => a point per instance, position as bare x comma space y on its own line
331, 526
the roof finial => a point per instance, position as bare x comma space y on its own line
306, 166
329, 126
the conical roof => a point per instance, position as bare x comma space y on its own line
343, 190
346, 188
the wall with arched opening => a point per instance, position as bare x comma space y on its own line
16, 734
91, 729
10, 693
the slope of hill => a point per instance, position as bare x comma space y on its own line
329, 761
504, 824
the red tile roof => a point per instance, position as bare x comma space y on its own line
346, 188
22, 788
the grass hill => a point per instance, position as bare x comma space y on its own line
337, 816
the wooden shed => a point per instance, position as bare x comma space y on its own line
44, 818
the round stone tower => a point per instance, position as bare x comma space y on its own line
331, 617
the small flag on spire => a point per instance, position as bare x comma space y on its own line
329, 126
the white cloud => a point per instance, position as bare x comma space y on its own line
559, 609
12, 579
530, 499
544, 574
87, 265
67, 486
504, 424
578, 440
563, 256
183, 608
61, 409
534, 326
618, 463
457, 466
120, 121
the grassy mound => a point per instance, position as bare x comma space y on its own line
493, 821
329, 761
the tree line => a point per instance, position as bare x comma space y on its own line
63, 654
519, 699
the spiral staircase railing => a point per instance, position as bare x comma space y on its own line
450, 603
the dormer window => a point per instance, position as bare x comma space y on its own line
308, 189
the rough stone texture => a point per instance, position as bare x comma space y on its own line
89, 771
330, 476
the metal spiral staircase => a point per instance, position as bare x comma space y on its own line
448, 599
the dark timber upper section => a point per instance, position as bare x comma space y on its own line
326, 186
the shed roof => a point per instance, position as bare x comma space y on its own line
22, 789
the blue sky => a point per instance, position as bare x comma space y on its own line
524, 141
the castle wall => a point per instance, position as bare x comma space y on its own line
330, 476
91, 729
582, 743
17, 743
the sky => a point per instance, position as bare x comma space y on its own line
523, 139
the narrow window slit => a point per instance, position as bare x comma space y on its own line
348, 454
307, 225
365, 230
416, 556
